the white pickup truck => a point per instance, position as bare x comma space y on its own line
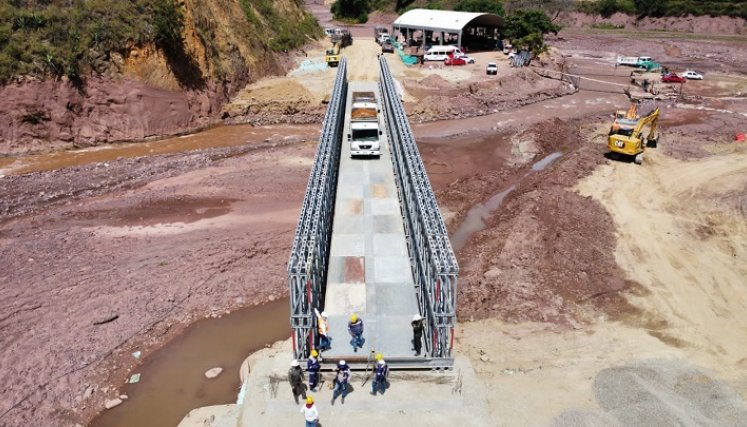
364, 136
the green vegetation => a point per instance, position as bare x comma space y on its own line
483, 6
72, 38
659, 8
284, 33
527, 28
68, 37
354, 11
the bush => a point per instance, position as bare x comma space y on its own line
483, 6
526, 28
351, 10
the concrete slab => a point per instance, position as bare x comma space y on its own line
421, 398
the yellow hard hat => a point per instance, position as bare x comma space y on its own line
314, 353
353, 318
309, 399
379, 356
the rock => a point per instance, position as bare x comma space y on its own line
109, 404
212, 373
124, 396
89, 391
485, 358
495, 272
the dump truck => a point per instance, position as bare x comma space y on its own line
633, 61
631, 142
364, 136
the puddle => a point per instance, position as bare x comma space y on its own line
475, 219
542, 164
172, 381
183, 209
217, 137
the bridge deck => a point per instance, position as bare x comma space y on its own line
369, 269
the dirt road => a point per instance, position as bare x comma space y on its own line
682, 234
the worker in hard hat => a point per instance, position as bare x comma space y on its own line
325, 341
355, 328
310, 412
342, 376
313, 367
417, 333
381, 373
296, 380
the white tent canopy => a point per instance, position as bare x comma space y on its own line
444, 21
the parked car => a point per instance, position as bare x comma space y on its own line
387, 47
454, 60
468, 59
692, 75
492, 68
673, 78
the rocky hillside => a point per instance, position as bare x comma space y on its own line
76, 73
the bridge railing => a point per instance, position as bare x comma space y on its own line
307, 266
432, 258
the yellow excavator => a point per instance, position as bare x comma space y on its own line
333, 55
625, 118
629, 141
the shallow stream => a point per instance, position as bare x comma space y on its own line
172, 379
474, 221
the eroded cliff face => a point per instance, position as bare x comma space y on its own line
149, 91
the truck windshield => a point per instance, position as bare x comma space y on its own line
366, 135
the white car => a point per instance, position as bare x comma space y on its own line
492, 68
468, 59
692, 75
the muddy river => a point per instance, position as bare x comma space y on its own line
172, 380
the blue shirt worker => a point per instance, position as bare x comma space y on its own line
355, 328
342, 375
381, 372
313, 367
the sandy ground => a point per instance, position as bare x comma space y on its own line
586, 266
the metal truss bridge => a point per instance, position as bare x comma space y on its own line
371, 240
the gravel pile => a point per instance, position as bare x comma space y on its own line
659, 393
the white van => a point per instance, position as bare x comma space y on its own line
440, 53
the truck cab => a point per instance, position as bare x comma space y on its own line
365, 135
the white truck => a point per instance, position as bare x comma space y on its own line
364, 136
633, 61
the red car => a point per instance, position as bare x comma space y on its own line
673, 78
454, 61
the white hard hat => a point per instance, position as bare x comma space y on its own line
294, 363
341, 363
324, 314
416, 317
382, 362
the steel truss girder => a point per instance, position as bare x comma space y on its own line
307, 266
435, 269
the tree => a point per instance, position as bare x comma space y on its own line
527, 28
482, 6
607, 8
655, 8
356, 10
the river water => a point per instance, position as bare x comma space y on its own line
172, 380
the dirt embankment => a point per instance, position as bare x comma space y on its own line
440, 99
688, 24
146, 91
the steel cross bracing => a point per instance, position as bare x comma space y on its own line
307, 266
434, 265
